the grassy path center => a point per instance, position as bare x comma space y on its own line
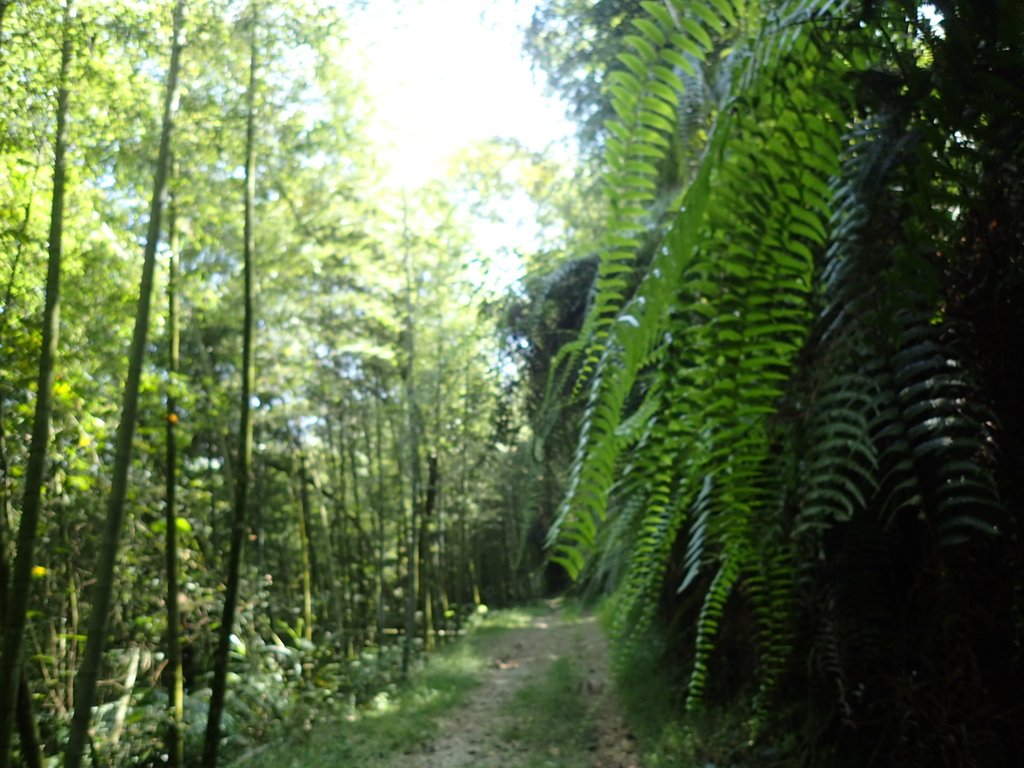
545, 700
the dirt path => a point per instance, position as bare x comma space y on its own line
472, 735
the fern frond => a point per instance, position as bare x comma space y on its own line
707, 625
841, 461
722, 311
647, 91
635, 335
929, 452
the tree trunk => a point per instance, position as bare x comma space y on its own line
88, 674
306, 553
339, 536
381, 540
357, 581
401, 535
413, 567
442, 567
28, 734
348, 548
238, 524
461, 574
412, 446
68, 648
474, 581
333, 597
6, 509
461, 581
21, 583
427, 586
262, 567
173, 674
28, 730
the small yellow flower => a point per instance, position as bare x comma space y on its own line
38, 571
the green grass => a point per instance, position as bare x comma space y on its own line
486, 622
392, 724
667, 736
572, 610
550, 731
550, 726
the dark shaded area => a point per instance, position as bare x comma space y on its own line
907, 624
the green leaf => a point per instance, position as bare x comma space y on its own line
635, 65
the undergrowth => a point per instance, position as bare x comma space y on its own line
395, 720
669, 736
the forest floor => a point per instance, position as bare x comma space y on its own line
525, 688
545, 700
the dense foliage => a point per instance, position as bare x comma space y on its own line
380, 505
799, 457
759, 383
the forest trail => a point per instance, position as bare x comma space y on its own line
484, 732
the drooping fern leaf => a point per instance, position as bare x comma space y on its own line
635, 336
721, 311
666, 49
772, 392
897, 454
841, 461
899, 402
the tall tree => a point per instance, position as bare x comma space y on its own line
411, 449
102, 593
243, 469
175, 682
21, 584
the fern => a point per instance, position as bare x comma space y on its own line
777, 375
707, 625
721, 312
899, 404
892, 441
636, 334
841, 462
666, 49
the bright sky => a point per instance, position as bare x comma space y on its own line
445, 73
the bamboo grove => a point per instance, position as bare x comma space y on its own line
798, 455
293, 476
